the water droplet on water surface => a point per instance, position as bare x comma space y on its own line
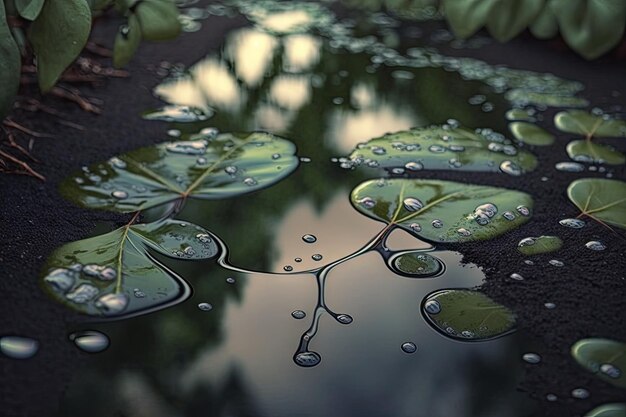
317, 257
437, 224
344, 319
205, 307
230, 280
412, 204
511, 168
367, 202
197, 147
580, 393
532, 358
550, 306
610, 370
61, 279
432, 307
573, 223
120, 195
249, 181
555, 262
288, 268
298, 314
90, 341
409, 347
112, 303
523, 210
307, 359
413, 166
18, 347
569, 167
517, 276
595, 245
309, 238
551, 397
82, 294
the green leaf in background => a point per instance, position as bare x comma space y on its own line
608, 410
466, 17
29, 9
58, 35
467, 315
545, 26
444, 147
600, 199
158, 19
115, 274
10, 65
520, 114
537, 245
587, 151
604, 357
127, 41
443, 211
204, 167
509, 18
590, 27
531, 134
550, 98
589, 125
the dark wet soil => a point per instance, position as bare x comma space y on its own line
34, 220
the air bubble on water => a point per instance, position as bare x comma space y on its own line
61, 279
527, 241
307, 359
230, 280
344, 318
18, 347
90, 341
516, 276
82, 294
580, 393
120, 195
298, 260
288, 268
595, 245
550, 306
569, 167
112, 303
509, 215
250, 181
317, 257
523, 210
205, 307
409, 347
367, 202
432, 307
555, 262
511, 168
197, 147
412, 204
437, 224
231, 170
531, 358
309, 238
298, 314
413, 166
610, 370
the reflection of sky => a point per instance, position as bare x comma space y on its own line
286, 21
251, 52
363, 371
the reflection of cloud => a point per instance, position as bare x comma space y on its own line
251, 52
182, 91
217, 83
362, 96
301, 52
287, 21
290, 91
271, 118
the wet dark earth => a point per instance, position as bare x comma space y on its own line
303, 308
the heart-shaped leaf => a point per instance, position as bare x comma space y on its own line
604, 357
58, 35
158, 19
600, 199
589, 125
531, 134
203, 167
608, 410
466, 17
536, 245
443, 211
508, 18
588, 151
467, 315
10, 65
114, 274
590, 27
545, 26
29, 9
444, 147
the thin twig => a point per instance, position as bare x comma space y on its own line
22, 164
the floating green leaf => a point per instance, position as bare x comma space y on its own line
531, 134
467, 315
443, 211
608, 410
416, 264
203, 167
444, 147
589, 125
590, 27
126, 42
115, 274
520, 114
588, 151
58, 35
179, 114
536, 245
29, 9
10, 65
523, 96
158, 19
600, 199
604, 357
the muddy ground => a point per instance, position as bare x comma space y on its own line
34, 220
